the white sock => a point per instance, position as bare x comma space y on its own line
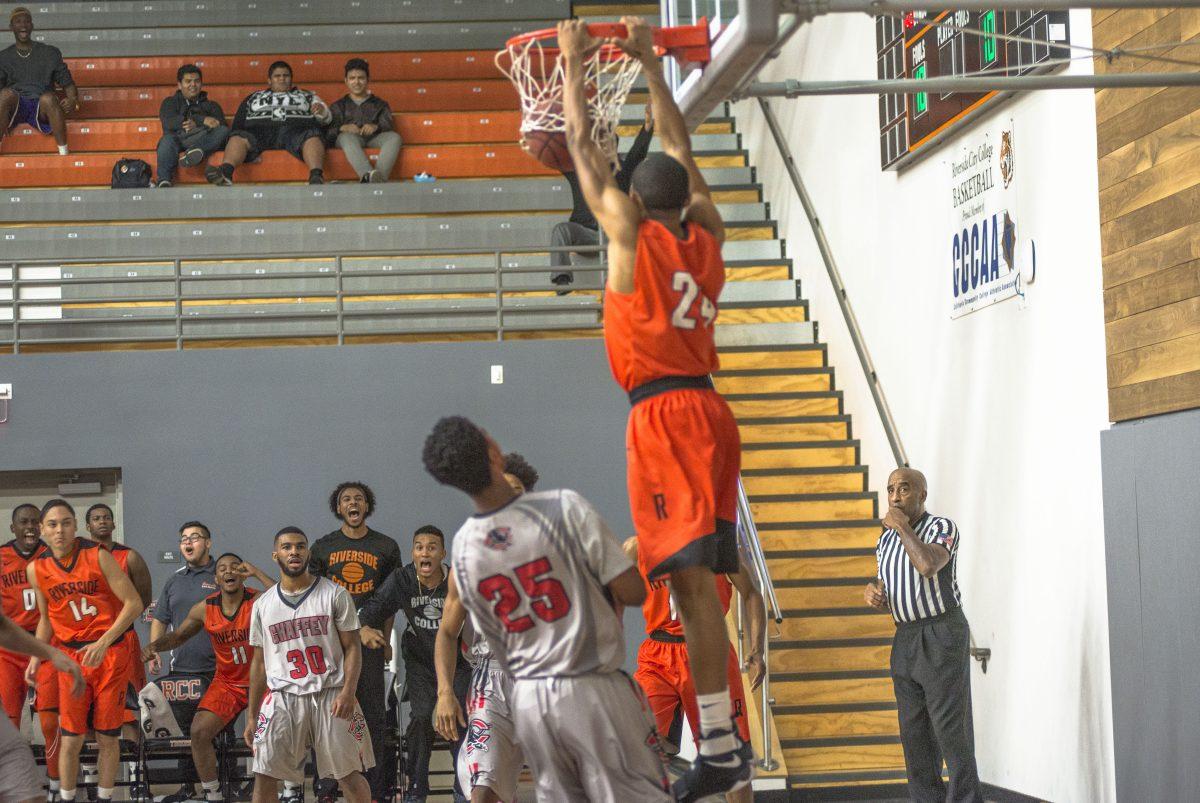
89, 773
55, 785
212, 789
62, 150
67, 795
716, 714
104, 794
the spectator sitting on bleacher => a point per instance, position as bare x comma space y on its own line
193, 126
363, 119
280, 117
29, 71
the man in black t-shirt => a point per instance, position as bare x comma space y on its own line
418, 589
360, 559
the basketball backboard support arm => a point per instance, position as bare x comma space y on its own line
968, 83
815, 8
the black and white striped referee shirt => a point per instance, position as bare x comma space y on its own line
911, 596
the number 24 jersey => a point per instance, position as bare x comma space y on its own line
302, 652
532, 575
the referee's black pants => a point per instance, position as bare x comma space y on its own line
931, 674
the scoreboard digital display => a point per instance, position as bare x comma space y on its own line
917, 46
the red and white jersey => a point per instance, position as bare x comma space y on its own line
230, 636
665, 326
532, 575
659, 608
79, 601
17, 599
298, 634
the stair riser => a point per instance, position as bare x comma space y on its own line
833, 725
832, 692
830, 659
822, 568
788, 383
768, 408
821, 597
847, 758
834, 538
816, 510
804, 484
793, 314
753, 360
776, 433
822, 628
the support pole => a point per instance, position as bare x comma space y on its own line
839, 289
815, 7
968, 83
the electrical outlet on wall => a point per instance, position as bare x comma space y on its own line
497, 374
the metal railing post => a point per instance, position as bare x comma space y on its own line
839, 288
16, 308
178, 304
341, 309
499, 295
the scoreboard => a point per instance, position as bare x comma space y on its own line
917, 46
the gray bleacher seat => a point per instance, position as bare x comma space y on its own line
186, 13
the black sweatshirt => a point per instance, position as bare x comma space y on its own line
637, 152
360, 565
175, 109
422, 606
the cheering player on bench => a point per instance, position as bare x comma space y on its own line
305, 667
18, 602
20, 778
537, 573
86, 605
665, 274
225, 616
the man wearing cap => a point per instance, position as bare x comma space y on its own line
29, 73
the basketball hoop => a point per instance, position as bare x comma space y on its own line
534, 67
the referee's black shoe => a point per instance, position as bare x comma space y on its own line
715, 775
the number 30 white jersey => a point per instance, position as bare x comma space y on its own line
532, 575
302, 652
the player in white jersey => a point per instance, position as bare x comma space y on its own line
490, 760
303, 674
538, 574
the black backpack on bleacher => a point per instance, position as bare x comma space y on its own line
130, 174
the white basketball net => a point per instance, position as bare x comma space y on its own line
537, 73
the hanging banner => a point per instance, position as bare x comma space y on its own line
983, 197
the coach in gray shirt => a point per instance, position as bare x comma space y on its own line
917, 583
195, 581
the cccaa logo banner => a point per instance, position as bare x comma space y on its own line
983, 239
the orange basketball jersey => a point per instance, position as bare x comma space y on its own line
120, 553
659, 608
665, 326
80, 603
16, 597
230, 636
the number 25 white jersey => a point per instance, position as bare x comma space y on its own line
532, 575
302, 652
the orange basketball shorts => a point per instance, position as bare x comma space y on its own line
12, 684
684, 454
105, 695
225, 698
665, 676
137, 675
45, 693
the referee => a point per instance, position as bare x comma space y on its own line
917, 558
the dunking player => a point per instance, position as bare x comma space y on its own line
665, 275
490, 760
86, 604
18, 602
302, 678
663, 671
20, 779
225, 616
536, 572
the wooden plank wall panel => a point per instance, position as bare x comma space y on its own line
1148, 143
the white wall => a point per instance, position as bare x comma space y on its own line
1002, 409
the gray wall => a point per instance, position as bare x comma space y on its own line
1152, 537
248, 440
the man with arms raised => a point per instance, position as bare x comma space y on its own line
665, 274
537, 572
86, 605
225, 617
306, 661
20, 778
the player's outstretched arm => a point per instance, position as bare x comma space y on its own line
448, 714
670, 126
755, 611
188, 628
615, 211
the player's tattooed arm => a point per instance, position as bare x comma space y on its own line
755, 611
189, 627
448, 714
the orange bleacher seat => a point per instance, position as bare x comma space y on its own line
308, 67
453, 95
119, 136
443, 161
